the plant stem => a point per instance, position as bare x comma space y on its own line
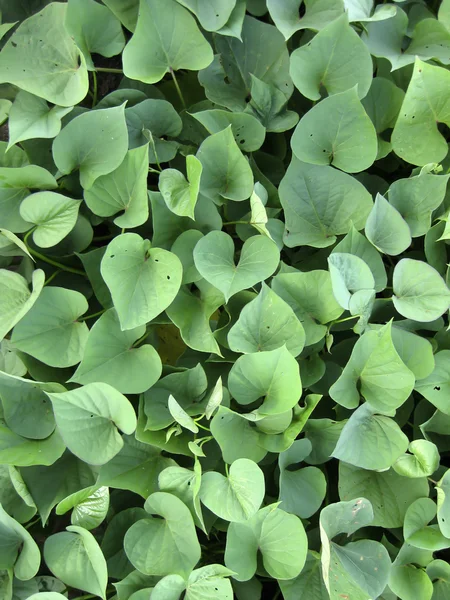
31, 523
236, 223
95, 91
52, 277
202, 426
52, 262
97, 314
180, 95
346, 319
108, 70
141, 339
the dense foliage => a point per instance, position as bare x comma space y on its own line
225, 357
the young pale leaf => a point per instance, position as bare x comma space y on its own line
215, 399
267, 323
273, 375
358, 444
420, 293
18, 550
386, 229
16, 299
236, 497
214, 260
424, 107
42, 59
389, 493
310, 295
302, 491
94, 28
30, 117
181, 416
320, 203
349, 275
163, 546
279, 536
53, 214
124, 189
109, 357
95, 142
166, 39
142, 280
337, 131
226, 172
50, 331
376, 371
180, 194
87, 418
335, 59
422, 462
75, 557
416, 531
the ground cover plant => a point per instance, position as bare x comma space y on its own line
225, 357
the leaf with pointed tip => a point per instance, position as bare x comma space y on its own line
180, 415
386, 229
247, 130
110, 357
420, 293
87, 418
415, 529
18, 550
235, 436
436, 386
349, 276
54, 70
50, 331
212, 14
214, 259
143, 281
335, 59
16, 299
180, 194
318, 14
166, 39
124, 189
337, 131
269, 105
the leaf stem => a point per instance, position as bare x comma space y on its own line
50, 261
346, 319
87, 317
33, 522
95, 90
141, 339
108, 70
52, 276
227, 469
202, 426
236, 223
180, 94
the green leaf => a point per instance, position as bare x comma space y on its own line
50, 331
95, 142
124, 189
75, 557
436, 386
420, 293
302, 491
16, 299
355, 243
55, 69
212, 15
389, 493
386, 229
246, 129
18, 550
191, 313
424, 107
320, 203
226, 173
273, 375
30, 117
310, 295
415, 529
349, 569
166, 39
415, 352
335, 59
180, 416
336, 131
87, 418
89, 507
279, 537
235, 436
214, 260
110, 357
422, 462
267, 323
309, 585
269, 105
22, 452
125, 10
185, 485
350, 275
183, 247
164, 546
406, 581
94, 28
358, 444
236, 497
209, 581
53, 214
376, 371
318, 14
142, 280
180, 194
